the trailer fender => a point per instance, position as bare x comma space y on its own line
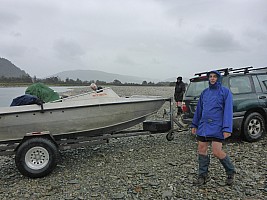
43, 134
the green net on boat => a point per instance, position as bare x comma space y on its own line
43, 92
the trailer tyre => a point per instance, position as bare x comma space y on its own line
170, 136
37, 157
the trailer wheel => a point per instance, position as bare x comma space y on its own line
37, 157
170, 136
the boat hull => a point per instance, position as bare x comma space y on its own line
72, 117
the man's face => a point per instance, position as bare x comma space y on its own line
213, 78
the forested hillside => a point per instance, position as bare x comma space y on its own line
8, 69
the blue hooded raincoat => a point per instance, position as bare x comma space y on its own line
214, 112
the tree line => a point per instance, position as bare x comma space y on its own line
22, 79
27, 79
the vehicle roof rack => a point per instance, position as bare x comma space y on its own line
261, 68
224, 70
245, 70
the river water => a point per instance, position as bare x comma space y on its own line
7, 94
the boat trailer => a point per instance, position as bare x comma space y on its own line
37, 154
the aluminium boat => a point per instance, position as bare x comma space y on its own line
92, 113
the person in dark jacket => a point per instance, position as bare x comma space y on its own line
213, 122
179, 93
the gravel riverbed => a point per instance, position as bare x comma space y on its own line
142, 167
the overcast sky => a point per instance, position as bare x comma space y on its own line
146, 38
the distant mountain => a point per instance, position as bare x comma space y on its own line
94, 75
8, 69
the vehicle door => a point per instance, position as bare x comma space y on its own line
244, 96
260, 82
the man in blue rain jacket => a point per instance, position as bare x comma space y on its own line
212, 123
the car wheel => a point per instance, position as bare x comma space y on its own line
254, 127
36, 157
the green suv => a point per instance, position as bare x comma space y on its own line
249, 88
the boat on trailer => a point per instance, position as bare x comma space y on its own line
36, 133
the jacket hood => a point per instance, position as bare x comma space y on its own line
219, 80
180, 78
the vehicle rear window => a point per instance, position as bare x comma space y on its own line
195, 88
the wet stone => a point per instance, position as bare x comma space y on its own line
118, 196
141, 167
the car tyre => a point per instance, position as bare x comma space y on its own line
253, 127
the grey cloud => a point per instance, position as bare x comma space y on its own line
258, 35
216, 40
125, 60
16, 34
8, 19
12, 50
158, 38
68, 49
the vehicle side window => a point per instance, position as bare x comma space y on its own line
263, 81
240, 84
257, 84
